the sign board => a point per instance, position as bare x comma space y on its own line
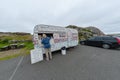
36, 55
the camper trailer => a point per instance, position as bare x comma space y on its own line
59, 37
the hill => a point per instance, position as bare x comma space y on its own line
95, 30
87, 32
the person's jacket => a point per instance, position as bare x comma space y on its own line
46, 42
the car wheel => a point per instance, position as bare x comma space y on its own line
82, 43
106, 46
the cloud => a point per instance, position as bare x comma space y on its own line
23, 15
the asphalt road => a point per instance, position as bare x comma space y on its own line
80, 63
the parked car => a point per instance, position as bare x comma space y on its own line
102, 41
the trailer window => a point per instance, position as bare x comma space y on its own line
48, 35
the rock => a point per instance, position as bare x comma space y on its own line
14, 46
21, 46
87, 32
5, 48
91, 29
95, 31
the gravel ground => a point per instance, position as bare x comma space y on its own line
10, 52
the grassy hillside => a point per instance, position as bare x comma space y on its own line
15, 39
87, 32
83, 33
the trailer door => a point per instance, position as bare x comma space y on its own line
69, 38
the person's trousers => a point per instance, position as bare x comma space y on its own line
48, 53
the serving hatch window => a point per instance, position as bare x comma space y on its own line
48, 35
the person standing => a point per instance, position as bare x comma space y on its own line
46, 43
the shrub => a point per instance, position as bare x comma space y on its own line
5, 41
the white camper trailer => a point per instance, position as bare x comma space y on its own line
60, 37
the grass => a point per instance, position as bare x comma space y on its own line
4, 41
21, 52
17, 37
2, 45
28, 47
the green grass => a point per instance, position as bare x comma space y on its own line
28, 46
2, 45
17, 37
4, 41
24, 51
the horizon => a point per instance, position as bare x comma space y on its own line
61, 26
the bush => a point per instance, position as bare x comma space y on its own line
4, 41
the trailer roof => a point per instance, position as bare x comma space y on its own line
41, 28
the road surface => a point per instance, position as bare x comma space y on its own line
80, 63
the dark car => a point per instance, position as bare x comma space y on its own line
102, 41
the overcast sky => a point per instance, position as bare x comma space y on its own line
23, 15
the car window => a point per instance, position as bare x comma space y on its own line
98, 38
108, 38
92, 38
